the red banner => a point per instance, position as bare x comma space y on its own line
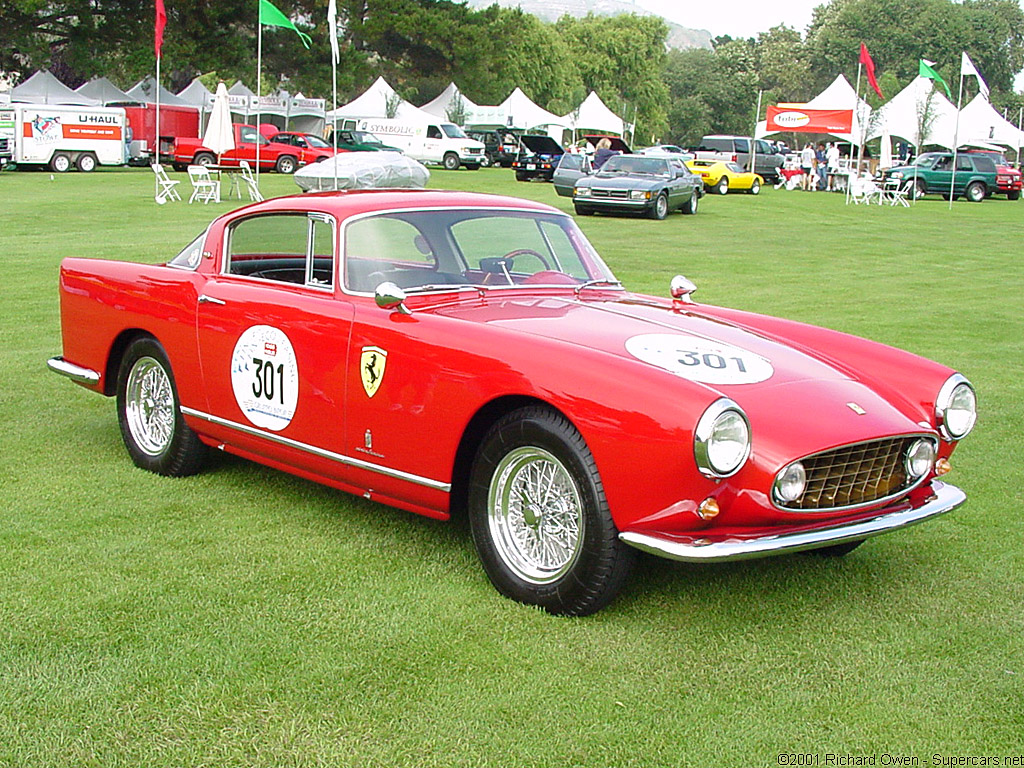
800, 119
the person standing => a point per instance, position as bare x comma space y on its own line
603, 152
820, 167
807, 166
832, 162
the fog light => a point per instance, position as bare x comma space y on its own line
708, 509
920, 458
790, 483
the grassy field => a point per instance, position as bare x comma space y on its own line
244, 617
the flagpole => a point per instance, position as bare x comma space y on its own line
156, 137
259, 77
753, 137
956, 136
860, 133
1020, 114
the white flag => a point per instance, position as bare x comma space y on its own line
967, 68
332, 25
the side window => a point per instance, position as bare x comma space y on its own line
742, 145
433, 132
963, 163
984, 164
288, 248
378, 248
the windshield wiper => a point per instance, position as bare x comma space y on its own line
595, 282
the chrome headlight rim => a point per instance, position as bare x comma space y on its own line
953, 386
910, 457
705, 432
782, 478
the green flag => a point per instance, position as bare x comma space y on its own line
272, 17
925, 70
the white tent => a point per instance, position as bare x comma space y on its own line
104, 90
517, 111
44, 88
374, 102
901, 115
450, 101
145, 91
979, 122
839, 95
595, 115
306, 115
197, 95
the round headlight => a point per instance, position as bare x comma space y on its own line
920, 458
790, 483
721, 442
956, 407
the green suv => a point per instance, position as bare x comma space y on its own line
932, 173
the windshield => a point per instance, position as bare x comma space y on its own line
927, 159
478, 248
365, 137
633, 164
316, 141
453, 131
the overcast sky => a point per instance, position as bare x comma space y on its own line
739, 18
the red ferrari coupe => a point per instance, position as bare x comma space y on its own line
444, 351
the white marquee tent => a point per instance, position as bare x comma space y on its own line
374, 101
900, 116
839, 95
517, 111
44, 88
979, 122
594, 114
448, 102
104, 90
145, 91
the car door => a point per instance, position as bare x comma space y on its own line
571, 167
940, 177
273, 335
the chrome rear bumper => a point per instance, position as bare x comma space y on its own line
74, 372
696, 549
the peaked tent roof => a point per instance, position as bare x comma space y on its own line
145, 91
44, 88
979, 122
593, 113
373, 103
104, 90
838, 95
900, 115
197, 95
522, 112
443, 103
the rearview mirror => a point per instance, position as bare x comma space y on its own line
390, 296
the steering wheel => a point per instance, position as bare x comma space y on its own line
510, 257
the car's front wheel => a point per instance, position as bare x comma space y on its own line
660, 208
539, 517
451, 162
148, 411
286, 164
755, 188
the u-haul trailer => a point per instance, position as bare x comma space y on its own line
62, 136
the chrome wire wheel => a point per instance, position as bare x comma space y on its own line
149, 406
535, 515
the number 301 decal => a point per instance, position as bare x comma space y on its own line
265, 377
697, 359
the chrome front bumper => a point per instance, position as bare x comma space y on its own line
696, 549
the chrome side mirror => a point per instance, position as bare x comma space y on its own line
390, 296
681, 288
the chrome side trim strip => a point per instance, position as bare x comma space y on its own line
324, 454
72, 371
697, 550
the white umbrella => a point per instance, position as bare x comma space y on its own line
220, 135
886, 157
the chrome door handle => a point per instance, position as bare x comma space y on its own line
204, 299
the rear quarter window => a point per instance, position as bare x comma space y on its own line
984, 164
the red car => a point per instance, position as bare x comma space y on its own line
248, 144
445, 351
311, 148
1008, 178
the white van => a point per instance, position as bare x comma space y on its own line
441, 143
62, 136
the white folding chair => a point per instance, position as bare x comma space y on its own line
165, 186
204, 187
864, 190
250, 182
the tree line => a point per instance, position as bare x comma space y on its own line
421, 45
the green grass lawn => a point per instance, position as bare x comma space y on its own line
244, 617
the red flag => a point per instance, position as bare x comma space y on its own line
161, 22
869, 65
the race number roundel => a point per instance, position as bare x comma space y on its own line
265, 377
698, 359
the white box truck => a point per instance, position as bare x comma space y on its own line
62, 136
439, 143
6, 135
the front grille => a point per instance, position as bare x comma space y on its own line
855, 475
616, 193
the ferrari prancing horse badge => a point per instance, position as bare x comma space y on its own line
371, 368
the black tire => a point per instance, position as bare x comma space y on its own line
1013, 194
86, 162
975, 192
149, 413
583, 211
564, 556
920, 189
179, 167
659, 210
722, 187
522, 176
473, 166
286, 164
60, 162
690, 207
836, 550
485, 161
451, 162
204, 158
755, 188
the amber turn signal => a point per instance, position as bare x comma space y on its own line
942, 466
708, 509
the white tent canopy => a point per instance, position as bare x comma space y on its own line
595, 115
901, 115
448, 102
374, 101
517, 111
44, 88
145, 91
197, 95
839, 95
104, 90
979, 122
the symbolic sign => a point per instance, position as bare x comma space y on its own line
699, 359
265, 377
371, 368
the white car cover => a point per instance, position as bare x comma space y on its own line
363, 170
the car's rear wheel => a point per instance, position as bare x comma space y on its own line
722, 187
1013, 194
522, 176
691, 205
86, 162
149, 414
975, 192
660, 208
204, 158
539, 517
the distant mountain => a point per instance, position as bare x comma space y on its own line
553, 10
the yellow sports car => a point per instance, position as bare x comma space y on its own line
725, 177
